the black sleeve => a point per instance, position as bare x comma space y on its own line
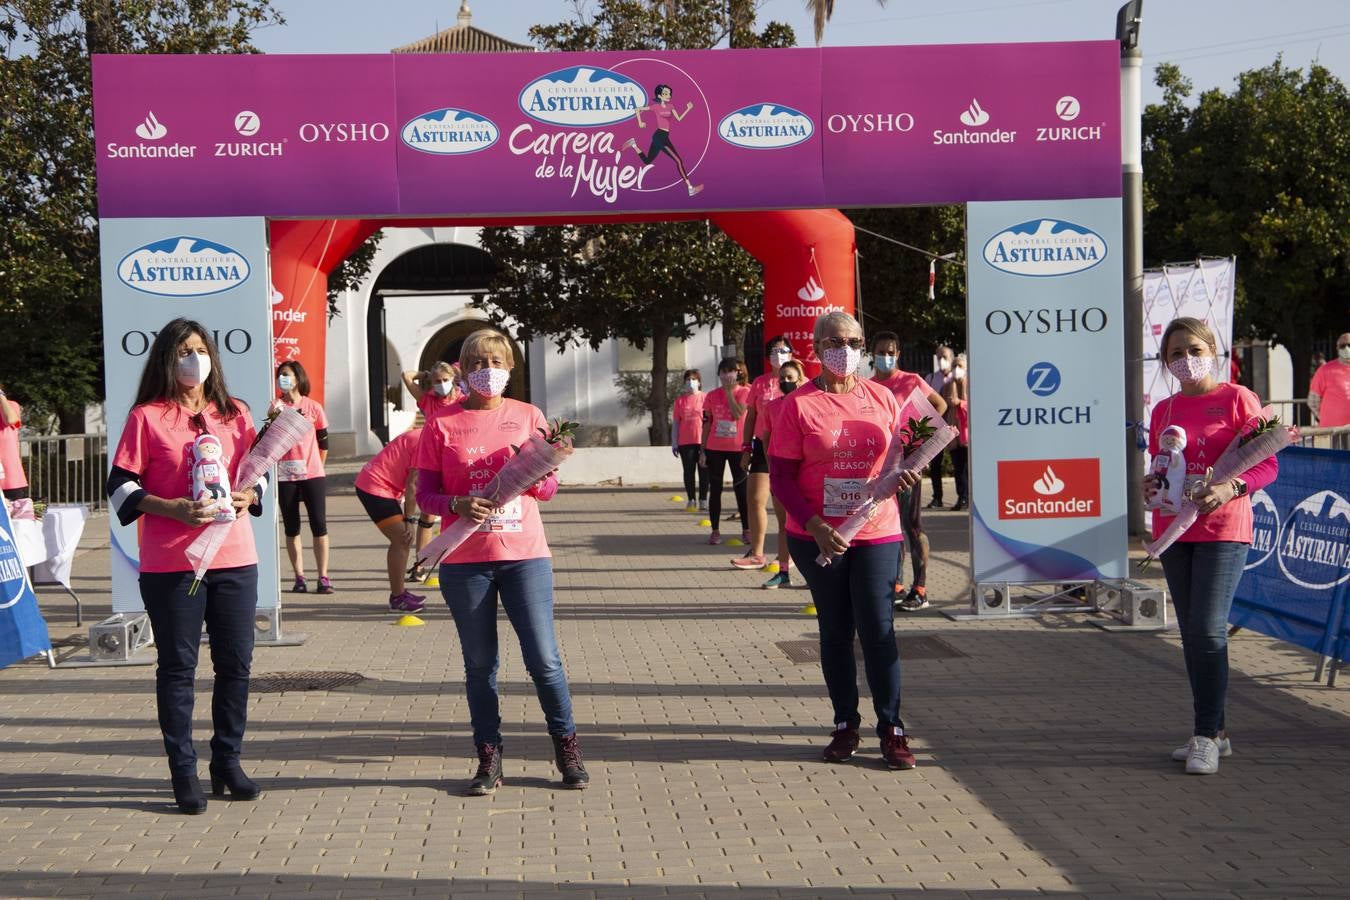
322, 436
125, 493
259, 491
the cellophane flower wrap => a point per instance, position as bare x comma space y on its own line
532, 463
1261, 438
284, 431
914, 444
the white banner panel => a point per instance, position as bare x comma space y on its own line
1047, 390
1203, 290
139, 297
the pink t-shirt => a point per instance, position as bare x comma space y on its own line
387, 474
467, 447
773, 414
156, 444
902, 384
1210, 421
433, 404
763, 390
302, 462
841, 440
664, 115
727, 432
687, 412
1332, 383
10, 460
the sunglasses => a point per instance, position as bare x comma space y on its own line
838, 343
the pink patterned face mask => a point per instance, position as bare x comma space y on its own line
489, 382
1190, 369
842, 361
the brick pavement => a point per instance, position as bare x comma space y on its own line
1042, 752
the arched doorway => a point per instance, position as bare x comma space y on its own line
435, 277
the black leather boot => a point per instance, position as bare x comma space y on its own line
489, 775
568, 756
187, 793
241, 787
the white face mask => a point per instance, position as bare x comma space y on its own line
884, 363
193, 370
443, 388
728, 378
692, 384
489, 382
285, 382
1343, 353
779, 356
842, 361
944, 364
959, 371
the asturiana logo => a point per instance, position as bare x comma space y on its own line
582, 96
766, 126
1265, 530
1314, 547
1045, 248
450, 132
183, 267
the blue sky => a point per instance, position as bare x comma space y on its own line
1212, 40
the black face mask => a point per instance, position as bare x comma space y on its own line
786, 386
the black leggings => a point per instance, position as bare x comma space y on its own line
312, 491
689, 460
716, 460
912, 525
661, 144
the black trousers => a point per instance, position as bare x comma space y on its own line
961, 469
226, 602
689, 460
313, 491
717, 461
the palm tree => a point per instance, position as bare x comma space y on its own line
821, 10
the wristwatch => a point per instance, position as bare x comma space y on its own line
1239, 487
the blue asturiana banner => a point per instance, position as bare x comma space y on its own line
23, 633
1297, 579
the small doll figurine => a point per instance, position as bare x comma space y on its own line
210, 481
1169, 470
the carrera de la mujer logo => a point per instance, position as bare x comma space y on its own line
1045, 248
183, 266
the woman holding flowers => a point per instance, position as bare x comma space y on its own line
182, 395
505, 560
724, 409
763, 391
1205, 564
832, 436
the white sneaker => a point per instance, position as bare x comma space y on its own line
1204, 758
702, 506
1182, 753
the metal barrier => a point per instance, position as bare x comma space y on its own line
1337, 438
67, 468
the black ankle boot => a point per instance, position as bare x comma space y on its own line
568, 756
187, 793
489, 775
241, 787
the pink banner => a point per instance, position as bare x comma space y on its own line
560, 133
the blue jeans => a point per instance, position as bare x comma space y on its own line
226, 603
1202, 578
525, 588
853, 595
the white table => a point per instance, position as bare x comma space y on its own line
47, 546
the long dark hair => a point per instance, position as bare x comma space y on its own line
301, 376
158, 381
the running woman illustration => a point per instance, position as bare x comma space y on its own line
664, 114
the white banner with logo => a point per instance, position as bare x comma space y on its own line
210, 270
1046, 350
1202, 290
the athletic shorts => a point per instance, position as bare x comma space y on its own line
380, 509
759, 463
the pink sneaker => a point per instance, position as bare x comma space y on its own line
749, 562
715, 538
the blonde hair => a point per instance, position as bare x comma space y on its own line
443, 368
487, 339
1194, 327
835, 318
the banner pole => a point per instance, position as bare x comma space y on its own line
1132, 194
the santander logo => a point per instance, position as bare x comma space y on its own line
974, 116
811, 291
1049, 488
151, 129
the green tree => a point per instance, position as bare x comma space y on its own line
645, 283
51, 343
821, 11
1263, 173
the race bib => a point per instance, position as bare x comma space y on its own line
725, 428
291, 470
843, 496
503, 518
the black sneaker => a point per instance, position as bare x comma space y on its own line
913, 602
935, 503
489, 775
568, 756
960, 505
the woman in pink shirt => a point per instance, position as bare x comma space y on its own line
300, 477
13, 481
183, 396
724, 410
763, 391
665, 115
434, 391
1203, 567
506, 560
832, 437
686, 437
791, 376
382, 488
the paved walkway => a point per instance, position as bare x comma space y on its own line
1042, 752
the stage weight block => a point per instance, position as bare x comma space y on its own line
120, 636
992, 598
